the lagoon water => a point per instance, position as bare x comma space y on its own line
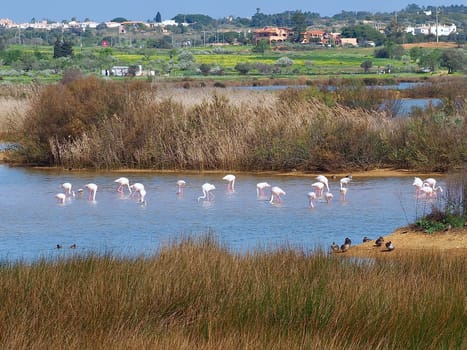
33, 223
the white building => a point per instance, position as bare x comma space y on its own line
443, 29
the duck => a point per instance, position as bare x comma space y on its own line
389, 246
379, 241
334, 247
366, 239
345, 247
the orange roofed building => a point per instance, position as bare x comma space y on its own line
273, 34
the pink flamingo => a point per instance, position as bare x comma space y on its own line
276, 193
418, 183
343, 192
429, 191
180, 184
60, 198
345, 180
137, 188
123, 181
142, 196
324, 180
318, 186
67, 187
311, 198
92, 189
260, 189
328, 196
230, 182
207, 192
430, 182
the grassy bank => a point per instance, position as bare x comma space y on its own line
196, 294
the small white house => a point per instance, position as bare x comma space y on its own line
122, 71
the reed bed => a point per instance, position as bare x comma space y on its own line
92, 123
194, 293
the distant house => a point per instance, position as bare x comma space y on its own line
272, 34
349, 42
124, 71
313, 36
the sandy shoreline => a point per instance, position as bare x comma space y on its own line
383, 172
407, 240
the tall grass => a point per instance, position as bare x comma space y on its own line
92, 123
196, 294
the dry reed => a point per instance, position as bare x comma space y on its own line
92, 123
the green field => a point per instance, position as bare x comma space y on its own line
320, 62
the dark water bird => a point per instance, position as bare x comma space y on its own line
389, 246
58, 246
345, 247
379, 241
366, 239
334, 247
73, 246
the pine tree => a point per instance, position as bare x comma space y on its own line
158, 17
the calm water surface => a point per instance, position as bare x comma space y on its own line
33, 223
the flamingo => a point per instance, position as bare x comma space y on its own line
311, 197
123, 181
231, 182
430, 182
137, 188
67, 187
142, 195
260, 187
92, 188
343, 192
429, 191
324, 180
328, 196
181, 184
60, 198
319, 188
207, 194
418, 183
345, 181
276, 193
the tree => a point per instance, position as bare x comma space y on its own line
242, 68
453, 60
62, 49
284, 62
186, 60
366, 65
299, 26
205, 68
158, 18
261, 46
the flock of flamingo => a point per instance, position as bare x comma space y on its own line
423, 188
426, 188
137, 189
